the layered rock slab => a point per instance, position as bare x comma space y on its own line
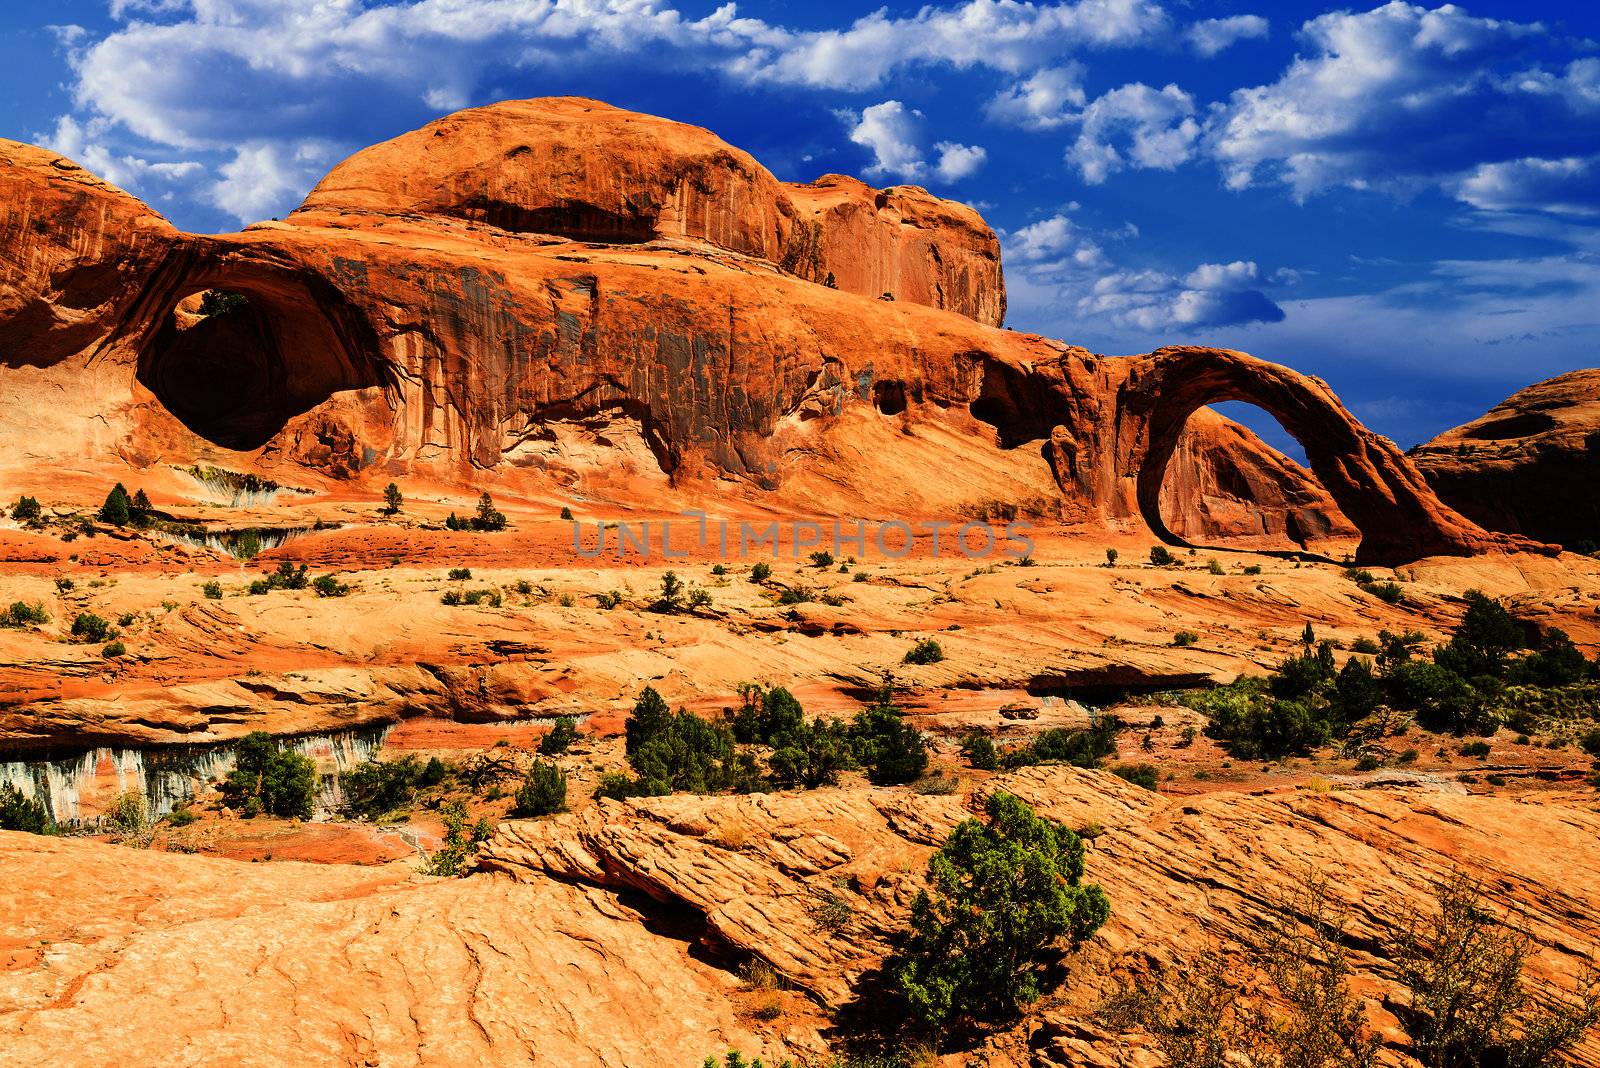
1530, 465
127, 957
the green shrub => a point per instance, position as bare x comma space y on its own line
392, 500
927, 651
1061, 745
1161, 556
610, 600
378, 788
542, 793
1387, 592
181, 817
1368, 762
212, 590
450, 859
892, 750
114, 650
1366, 646
1111, 558
680, 751
766, 717
328, 586
1146, 775
1185, 638
1483, 641
1001, 893
90, 628
719, 569
821, 559
1408, 757
451, 598
269, 778
459, 574
698, 597
760, 571
560, 738
23, 614
813, 755
27, 511
1253, 569
1480, 750
1215, 566
979, 750
1557, 662
796, 595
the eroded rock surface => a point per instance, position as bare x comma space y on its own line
1225, 483
604, 937
446, 299
1531, 465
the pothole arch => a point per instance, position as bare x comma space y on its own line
237, 353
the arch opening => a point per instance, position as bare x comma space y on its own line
1226, 485
236, 357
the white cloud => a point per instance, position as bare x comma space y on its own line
265, 175
1400, 98
1568, 186
1210, 36
81, 143
892, 132
1137, 126
958, 161
1041, 101
1055, 263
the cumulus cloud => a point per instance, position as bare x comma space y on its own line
186, 78
266, 174
1210, 36
1402, 97
1568, 186
959, 161
1211, 295
1136, 126
1045, 99
1060, 263
893, 133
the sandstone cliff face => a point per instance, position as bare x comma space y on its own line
585, 170
396, 325
1531, 465
1225, 483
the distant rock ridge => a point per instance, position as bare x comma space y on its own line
444, 303
1530, 465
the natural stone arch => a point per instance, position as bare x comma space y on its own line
1375, 486
237, 379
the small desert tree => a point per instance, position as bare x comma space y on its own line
1462, 968
1001, 893
392, 501
543, 791
118, 508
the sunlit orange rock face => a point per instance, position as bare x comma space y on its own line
1530, 465
446, 305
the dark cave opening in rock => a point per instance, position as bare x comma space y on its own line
889, 397
237, 359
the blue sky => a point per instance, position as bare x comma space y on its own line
1401, 198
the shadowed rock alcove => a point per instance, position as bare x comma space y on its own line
240, 354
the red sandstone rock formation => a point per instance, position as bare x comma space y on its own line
404, 321
1530, 466
1225, 483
